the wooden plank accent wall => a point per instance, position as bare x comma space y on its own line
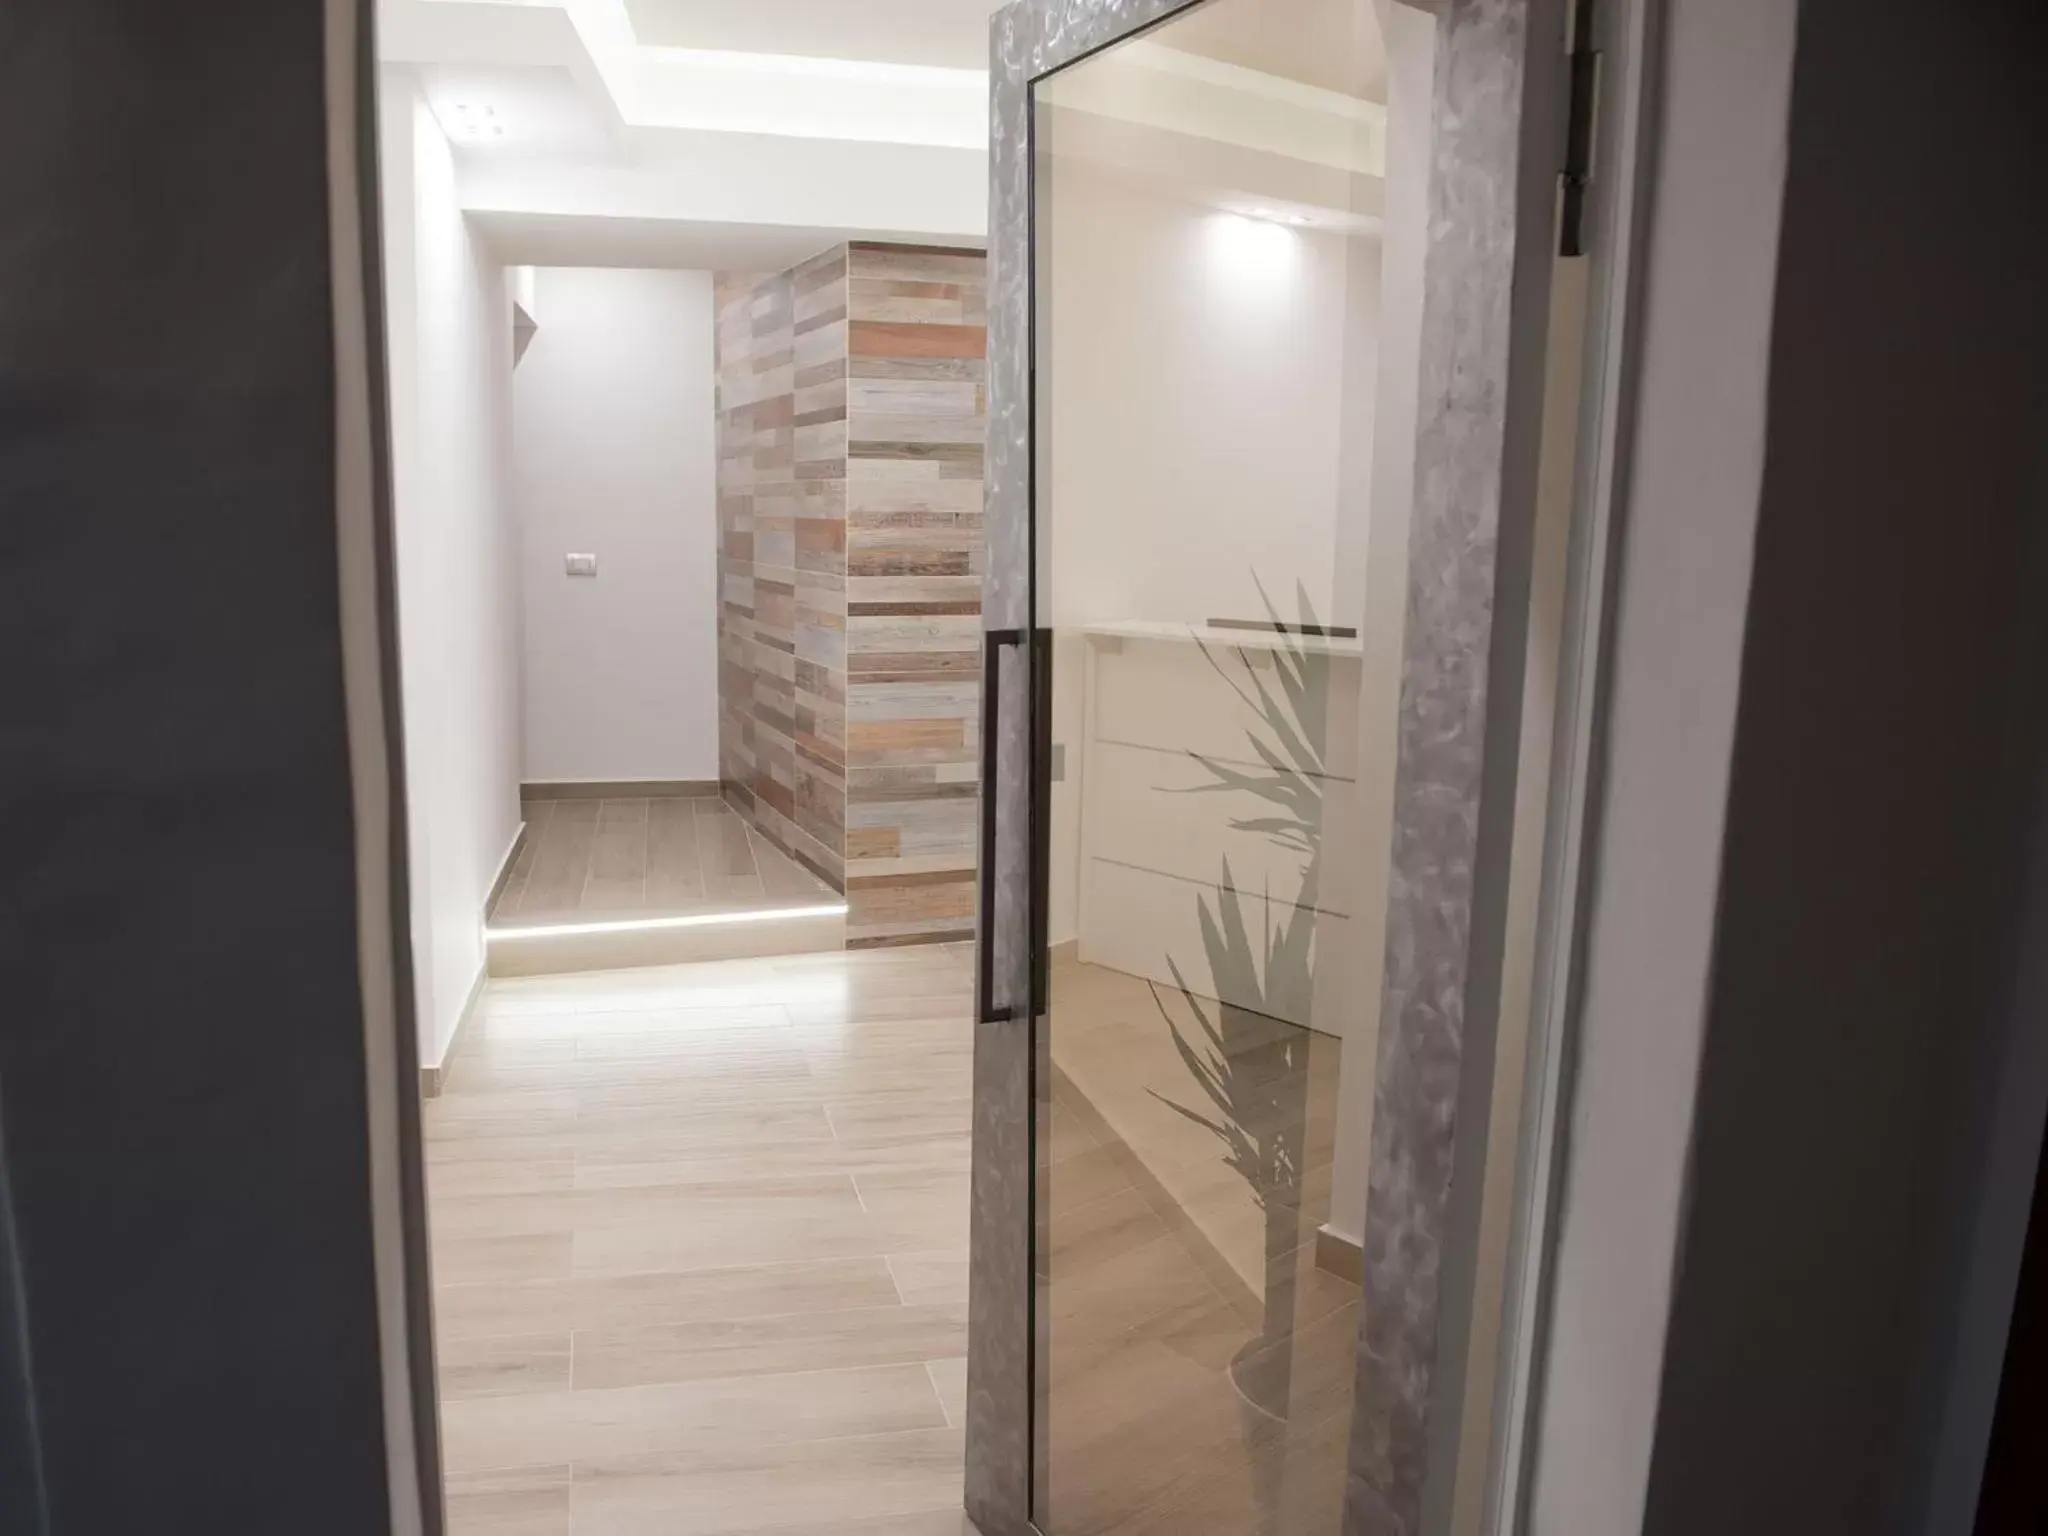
782, 556
853, 402
917, 414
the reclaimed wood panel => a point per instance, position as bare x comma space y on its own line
852, 410
782, 556
916, 415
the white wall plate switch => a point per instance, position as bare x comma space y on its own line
582, 565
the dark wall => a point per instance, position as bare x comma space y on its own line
181, 1060
1887, 758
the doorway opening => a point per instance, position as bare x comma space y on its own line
703, 513
688, 545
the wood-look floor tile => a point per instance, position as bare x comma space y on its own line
492, 1061
949, 1377
889, 1191
650, 1299
530, 1256
823, 1485
1088, 1174
512, 995
448, 1151
783, 876
699, 1243
519, 1501
503, 1365
711, 1202
519, 1112
869, 1080
930, 1279
675, 870
633, 1034
774, 1345
727, 852
857, 1123
637, 1167
501, 1176
618, 1427
755, 1237
561, 864
617, 878
664, 856
634, 1138
912, 1047
949, 1521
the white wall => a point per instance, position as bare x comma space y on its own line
449, 330
615, 456
1193, 430
1201, 365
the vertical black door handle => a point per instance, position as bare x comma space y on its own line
1040, 823
994, 643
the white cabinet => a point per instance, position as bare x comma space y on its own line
1168, 716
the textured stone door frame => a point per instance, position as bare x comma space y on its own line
1497, 149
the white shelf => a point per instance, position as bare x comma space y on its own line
1165, 631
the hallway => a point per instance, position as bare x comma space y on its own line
699, 1244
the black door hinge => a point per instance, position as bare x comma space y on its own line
1577, 175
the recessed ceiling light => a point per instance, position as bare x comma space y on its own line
462, 106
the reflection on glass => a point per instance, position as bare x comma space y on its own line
1220, 308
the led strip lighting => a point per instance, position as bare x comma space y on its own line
657, 924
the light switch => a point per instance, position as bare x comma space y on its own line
583, 565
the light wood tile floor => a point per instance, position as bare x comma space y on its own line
659, 857
1200, 1364
700, 1250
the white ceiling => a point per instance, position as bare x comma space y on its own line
752, 133
953, 33
514, 110
1331, 44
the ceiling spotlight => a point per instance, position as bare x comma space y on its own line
498, 130
490, 111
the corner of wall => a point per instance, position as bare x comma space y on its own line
852, 410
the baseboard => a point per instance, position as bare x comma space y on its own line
618, 789
1338, 1255
434, 1078
504, 874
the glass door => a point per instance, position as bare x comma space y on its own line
1225, 323
1259, 820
